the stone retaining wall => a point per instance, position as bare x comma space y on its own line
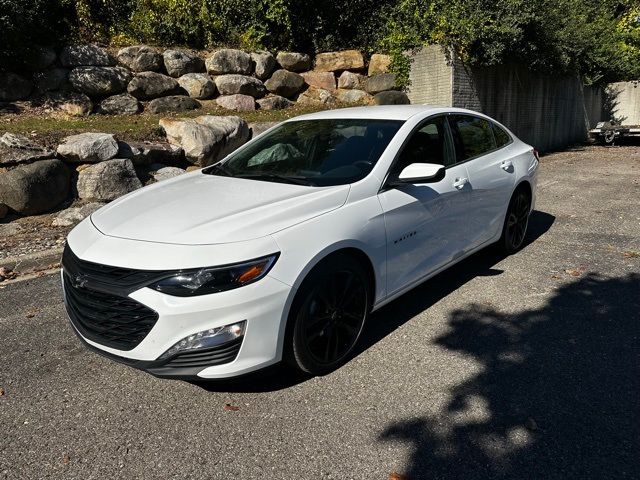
84, 79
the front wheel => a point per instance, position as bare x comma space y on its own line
328, 315
516, 222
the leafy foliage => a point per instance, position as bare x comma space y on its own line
24, 24
600, 39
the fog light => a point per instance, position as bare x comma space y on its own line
212, 337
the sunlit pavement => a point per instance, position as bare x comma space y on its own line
519, 367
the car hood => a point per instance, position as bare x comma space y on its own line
200, 209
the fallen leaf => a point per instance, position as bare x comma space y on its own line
631, 254
232, 408
574, 272
66, 459
397, 476
1, 392
556, 277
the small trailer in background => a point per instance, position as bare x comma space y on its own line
608, 133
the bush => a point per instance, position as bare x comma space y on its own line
24, 24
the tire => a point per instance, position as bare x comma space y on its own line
516, 221
328, 315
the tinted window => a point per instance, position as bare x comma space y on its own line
314, 152
472, 136
427, 145
502, 137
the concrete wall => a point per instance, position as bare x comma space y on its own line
430, 77
624, 102
544, 111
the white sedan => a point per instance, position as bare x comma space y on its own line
283, 249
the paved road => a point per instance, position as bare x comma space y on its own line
520, 367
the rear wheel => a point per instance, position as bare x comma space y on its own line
516, 222
328, 315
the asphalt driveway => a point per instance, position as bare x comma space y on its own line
520, 367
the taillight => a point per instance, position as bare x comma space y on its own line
536, 154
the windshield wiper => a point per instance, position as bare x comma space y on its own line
278, 177
219, 169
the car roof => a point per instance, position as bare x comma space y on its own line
380, 112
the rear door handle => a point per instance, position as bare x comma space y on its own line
459, 183
506, 165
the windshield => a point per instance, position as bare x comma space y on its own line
312, 152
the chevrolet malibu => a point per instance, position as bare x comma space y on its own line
283, 249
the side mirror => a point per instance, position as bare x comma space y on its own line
421, 173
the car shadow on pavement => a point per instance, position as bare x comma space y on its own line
391, 316
557, 394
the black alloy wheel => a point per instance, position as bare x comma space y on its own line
516, 222
329, 314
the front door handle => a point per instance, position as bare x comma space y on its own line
506, 165
459, 183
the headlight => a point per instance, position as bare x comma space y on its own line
203, 281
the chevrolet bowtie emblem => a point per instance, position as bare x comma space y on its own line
79, 281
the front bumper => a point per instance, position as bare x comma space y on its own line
263, 305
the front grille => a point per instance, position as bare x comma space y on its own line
126, 280
205, 358
112, 320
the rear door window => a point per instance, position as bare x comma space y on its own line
473, 136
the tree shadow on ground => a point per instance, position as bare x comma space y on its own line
558, 394
392, 316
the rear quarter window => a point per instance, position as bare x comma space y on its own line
501, 136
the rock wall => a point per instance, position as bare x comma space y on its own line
84, 79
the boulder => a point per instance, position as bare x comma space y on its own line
335, 61
150, 85
88, 147
274, 102
379, 64
316, 97
208, 138
85, 55
228, 60
285, 83
123, 104
391, 97
182, 62
258, 128
197, 85
380, 83
100, 81
326, 80
140, 58
16, 149
108, 180
14, 87
165, 173
242, 84
354, 96
71, 103
41, 57
237, 102
294, 61
15, 140
351, 80
146, 153
74, 215
35, 188
172, 103
50, 80
263, 64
